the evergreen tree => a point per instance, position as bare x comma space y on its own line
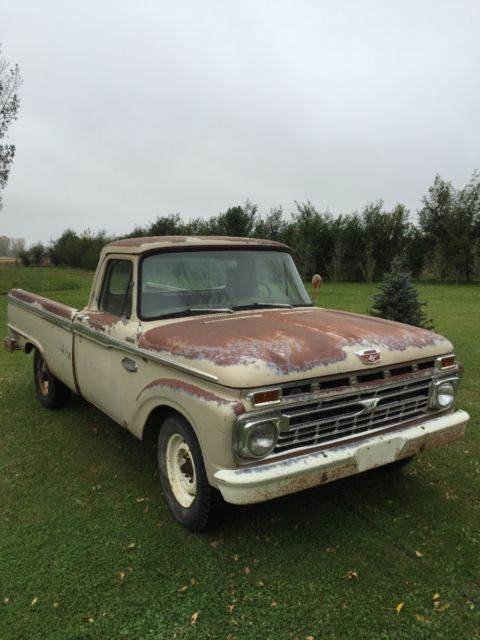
398, 299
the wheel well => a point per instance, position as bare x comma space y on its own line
154, 422
29, 347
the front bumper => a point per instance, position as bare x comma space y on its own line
271, 480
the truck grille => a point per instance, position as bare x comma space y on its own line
333, 419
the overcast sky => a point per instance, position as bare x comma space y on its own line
133, 110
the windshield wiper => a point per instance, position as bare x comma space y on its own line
207, 310
194, 311
264, 305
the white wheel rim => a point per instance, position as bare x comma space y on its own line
43, 378
181, 470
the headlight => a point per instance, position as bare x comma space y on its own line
443, 395
256, 439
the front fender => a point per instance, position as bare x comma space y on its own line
210, 411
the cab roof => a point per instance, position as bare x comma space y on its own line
150, 243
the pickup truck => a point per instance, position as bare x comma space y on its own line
254, 392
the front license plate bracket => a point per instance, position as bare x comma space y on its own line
377, 454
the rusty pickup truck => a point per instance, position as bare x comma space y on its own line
254, 391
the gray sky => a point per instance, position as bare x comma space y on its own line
133, 110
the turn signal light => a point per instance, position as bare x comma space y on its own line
447, 361
266, 397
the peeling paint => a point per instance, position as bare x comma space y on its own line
194, 241
101, 320
288, 343
194, 391
248, 349
302, 482
267, 481
10, 344
56, 308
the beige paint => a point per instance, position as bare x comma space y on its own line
209, 396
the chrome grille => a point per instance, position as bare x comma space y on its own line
340, 417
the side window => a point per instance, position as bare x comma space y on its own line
116, 295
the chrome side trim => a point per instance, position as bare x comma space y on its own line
108, 342
112, 343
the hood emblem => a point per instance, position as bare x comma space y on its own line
369, 356
369, 405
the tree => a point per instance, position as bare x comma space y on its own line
450, 219
399, 298
385, 235
170, 225
75, 250
9, 102
236, 221
38, 253
312, 239
17, 245
354, 258
4, 245
272, 227
335, 264
11, 247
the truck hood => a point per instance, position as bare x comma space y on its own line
261, 348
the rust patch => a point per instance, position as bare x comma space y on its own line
101, 320
56, 308
10, 344
431, 442
138, 242
194, 241
287, 342
303, 482
25, 296
192, 390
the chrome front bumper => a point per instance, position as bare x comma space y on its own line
270, 480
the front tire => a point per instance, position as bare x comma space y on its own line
190, 498
50, 391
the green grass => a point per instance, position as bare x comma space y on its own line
89, 550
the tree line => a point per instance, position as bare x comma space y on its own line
444, 243
11, 247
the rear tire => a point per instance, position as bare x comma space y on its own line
50, 391
193, 502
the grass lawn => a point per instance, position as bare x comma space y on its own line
88, 548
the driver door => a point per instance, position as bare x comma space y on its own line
106, 375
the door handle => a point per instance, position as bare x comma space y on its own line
130, 365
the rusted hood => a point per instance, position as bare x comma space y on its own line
252, 349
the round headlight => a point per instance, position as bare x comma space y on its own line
445, 395
262, 439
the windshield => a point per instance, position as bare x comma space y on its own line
189, 282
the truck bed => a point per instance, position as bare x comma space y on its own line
38, 322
